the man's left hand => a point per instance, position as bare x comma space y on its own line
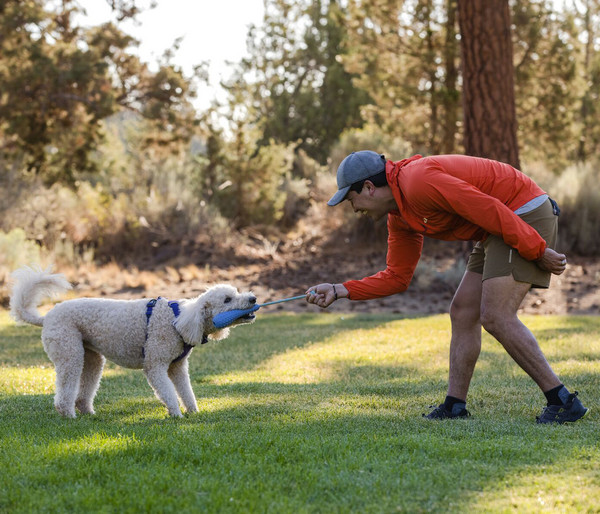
553, 262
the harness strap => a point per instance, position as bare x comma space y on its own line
176, 311
149, 306
187, 348
174, 307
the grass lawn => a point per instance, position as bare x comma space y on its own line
307, 413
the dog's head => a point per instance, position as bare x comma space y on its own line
196, 318
223, 297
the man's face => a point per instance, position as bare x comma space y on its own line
368, 202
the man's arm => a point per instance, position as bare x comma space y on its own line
443, 191
404, 251
455, 195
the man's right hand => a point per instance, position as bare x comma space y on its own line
324, 295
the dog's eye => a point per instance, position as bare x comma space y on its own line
227, 299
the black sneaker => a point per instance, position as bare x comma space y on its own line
570, 411
441, 412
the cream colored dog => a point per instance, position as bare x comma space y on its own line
156, 336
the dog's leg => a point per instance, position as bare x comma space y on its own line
93, 364
164, 389
178, 373
67, 356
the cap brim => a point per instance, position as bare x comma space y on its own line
339, 196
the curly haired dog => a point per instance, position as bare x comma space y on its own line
153, 335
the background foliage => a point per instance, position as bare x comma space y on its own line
102, 154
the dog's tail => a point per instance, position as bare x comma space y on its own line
29, 287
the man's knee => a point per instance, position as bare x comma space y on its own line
500, 302
464, 313
492, 319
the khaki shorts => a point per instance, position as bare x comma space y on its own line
494, 258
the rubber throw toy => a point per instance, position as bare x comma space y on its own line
226, 318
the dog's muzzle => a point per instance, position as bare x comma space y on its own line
251, 316
246, 318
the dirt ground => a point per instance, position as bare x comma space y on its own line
273, 272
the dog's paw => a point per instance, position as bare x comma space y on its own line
84, 407
66, 412
191, 409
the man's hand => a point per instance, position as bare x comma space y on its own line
325, 294
553, 262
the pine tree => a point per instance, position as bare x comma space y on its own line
488, 85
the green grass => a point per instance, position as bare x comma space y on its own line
306, 413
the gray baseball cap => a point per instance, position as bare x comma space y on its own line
356, 167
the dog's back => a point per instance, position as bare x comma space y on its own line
114, 328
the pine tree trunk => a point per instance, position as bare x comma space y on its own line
451, 96
490, 124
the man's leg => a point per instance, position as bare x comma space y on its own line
465, 344
501, 298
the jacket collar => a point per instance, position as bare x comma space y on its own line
393, 171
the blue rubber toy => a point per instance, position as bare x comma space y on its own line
226, 318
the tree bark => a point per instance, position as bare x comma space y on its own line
490, 123
451, 96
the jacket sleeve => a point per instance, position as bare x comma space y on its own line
403, 253
449, 193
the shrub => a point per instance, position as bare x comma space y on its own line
252, 184
369, 138
578, 195
360, 229
253, 194
16, 250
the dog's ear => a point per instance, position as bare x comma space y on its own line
191, 322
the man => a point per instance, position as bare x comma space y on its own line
455, 197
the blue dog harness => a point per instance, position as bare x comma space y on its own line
176, 311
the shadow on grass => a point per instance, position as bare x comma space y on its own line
352, 442
21, 345
275, 447
571, 327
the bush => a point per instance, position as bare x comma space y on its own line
369, 138
252, 184
359, 229
108, 217
16, 250
578, 195
254, 193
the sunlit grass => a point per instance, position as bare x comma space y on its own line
565, 486
306, 413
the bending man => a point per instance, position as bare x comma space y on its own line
455, 197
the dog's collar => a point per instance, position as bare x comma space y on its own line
187, 348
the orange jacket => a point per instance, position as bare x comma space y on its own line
449, 197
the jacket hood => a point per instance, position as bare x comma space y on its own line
393, 168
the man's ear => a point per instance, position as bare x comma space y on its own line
370, 187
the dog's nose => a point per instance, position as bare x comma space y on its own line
252, 299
